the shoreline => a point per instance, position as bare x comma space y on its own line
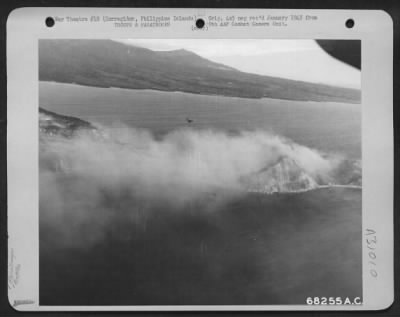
197, 94
320, 187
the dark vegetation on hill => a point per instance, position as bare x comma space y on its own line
105, 63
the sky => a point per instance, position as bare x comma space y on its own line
294, 59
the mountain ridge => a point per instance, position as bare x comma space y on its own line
107, 63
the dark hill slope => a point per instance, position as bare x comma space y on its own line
105, 63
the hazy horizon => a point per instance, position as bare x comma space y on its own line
301, 60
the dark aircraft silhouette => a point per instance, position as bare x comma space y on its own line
189, 120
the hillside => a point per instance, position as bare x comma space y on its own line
105, 63
52, 123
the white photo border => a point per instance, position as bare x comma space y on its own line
25, 26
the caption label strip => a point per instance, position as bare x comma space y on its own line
212, 21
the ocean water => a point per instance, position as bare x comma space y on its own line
329, 127
120, 227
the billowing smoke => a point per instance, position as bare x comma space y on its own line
91, 182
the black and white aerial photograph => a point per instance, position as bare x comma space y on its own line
199, 172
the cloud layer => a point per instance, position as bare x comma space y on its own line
93, 181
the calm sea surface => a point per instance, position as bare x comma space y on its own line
252, 250
329, 127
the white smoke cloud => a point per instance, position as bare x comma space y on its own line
89, 182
